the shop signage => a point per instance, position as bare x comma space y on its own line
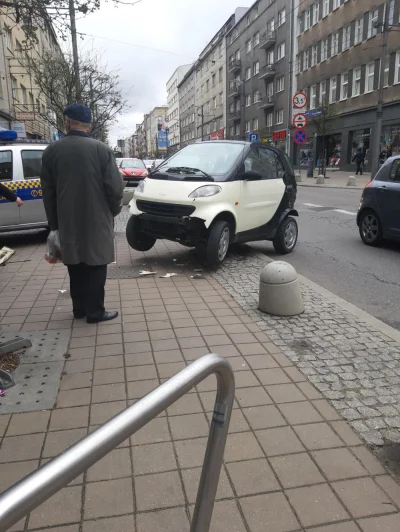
279, 135
19, 128
300, 121
300, 100
300, 136
25, 117
265, 139
218, 135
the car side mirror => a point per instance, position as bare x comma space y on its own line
251, 175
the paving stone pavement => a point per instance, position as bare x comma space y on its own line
291, 463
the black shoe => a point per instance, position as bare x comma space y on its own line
107, 316
79, 314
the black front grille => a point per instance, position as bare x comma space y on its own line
164, 209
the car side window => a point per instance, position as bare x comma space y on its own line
31, 163
383, 173
6, 165
273, 164
394, 174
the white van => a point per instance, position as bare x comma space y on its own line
20, 167
211, 194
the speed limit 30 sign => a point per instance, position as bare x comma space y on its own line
300, 100
300, 121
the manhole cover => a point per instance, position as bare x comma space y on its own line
122, 272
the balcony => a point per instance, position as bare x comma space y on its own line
234, 89
267, 71
234, 66
266, 102
267, 40
234, 116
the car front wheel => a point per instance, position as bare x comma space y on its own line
136, 239
219, 238
286, 236
370, 229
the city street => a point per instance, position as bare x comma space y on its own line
331, 253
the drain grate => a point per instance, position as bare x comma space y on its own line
122, 272
46, 345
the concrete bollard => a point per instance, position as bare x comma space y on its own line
280, 293
320, 180
298, 177
352, 182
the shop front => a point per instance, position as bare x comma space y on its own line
218, 135
279, 139
360, 139
390, 141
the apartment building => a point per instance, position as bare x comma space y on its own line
141, 139
187, 106
259, 50
23, 106
156, 134
172, 118
338, 62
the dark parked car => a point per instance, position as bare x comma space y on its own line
378, 217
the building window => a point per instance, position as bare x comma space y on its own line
237, 105
335, 4
306, 56
270, 89
221, 74
279, 117
237, 55
314, 55
346, 38
232, 108
386, 71
214, 103
280, 52
344, 86
325, 8
369, 77
397, 69
207, 85
213, 80
221, 99
248, 100
281, 17
256, 68
256, 96
8, 40
14, 87
372, 19
332, 90
307, 20
255, 11
270, 119
248, 20
270, 58
313, 97
322, 92
24, 95
237, 130
256, 39
324, 50
315, 12
334, 44
231, 131
280, 84
247, 75
270, 26
255, 124
248, 46
247, 126
391, 13
356, 82
359, 30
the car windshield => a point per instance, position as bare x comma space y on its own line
132, 163
213, 158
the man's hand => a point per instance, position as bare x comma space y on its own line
19, 202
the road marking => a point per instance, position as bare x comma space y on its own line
346, 212
312, 205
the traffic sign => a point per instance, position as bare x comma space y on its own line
300, 136
253, 137
300, 121
300, 100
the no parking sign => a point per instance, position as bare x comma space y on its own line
300, 136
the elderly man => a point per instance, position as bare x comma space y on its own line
82, 192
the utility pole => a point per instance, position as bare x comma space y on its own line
74, 48
379, 110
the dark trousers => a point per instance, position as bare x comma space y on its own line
359, 167
87, 289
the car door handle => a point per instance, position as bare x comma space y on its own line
383, 187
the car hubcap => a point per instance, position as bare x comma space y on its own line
290, 235
370, 227
223, 244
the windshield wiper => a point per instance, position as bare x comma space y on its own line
189, 170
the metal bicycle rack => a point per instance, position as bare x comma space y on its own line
37, 487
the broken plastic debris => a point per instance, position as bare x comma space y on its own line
2, 393
5, 254
61, 291
197, 276
167, 275
145, 272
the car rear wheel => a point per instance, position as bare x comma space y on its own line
286, 236
370, 229
137, 239
219, 238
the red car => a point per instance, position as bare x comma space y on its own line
133, 171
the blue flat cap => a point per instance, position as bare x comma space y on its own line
79, 112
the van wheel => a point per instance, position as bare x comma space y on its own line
286, 236
370, 229
219, 238
136, 239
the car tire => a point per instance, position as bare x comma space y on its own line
219, 238
370, 228
286, 237
136, 239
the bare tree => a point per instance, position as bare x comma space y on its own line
323, 123
99, 89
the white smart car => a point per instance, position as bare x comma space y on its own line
211, 194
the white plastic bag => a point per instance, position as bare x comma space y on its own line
53, 248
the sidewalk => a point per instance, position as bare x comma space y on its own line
334, 179
291, 462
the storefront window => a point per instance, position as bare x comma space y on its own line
390, 141
359, 140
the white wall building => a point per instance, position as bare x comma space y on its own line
172, 117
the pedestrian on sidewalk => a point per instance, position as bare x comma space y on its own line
9, 195
359, 158
82, 192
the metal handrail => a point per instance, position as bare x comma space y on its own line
37, 487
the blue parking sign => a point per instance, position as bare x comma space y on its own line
253, 137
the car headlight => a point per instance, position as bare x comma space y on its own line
205, 191
145, 174
140, 187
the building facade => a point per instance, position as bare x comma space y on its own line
338, 62
187, 107
156, 134
172, 118
259, 78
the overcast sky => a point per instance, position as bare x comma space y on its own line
183, 27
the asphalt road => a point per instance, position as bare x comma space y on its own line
330, 253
